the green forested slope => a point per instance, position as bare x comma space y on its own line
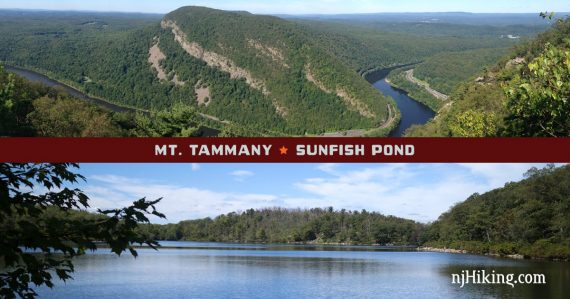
529, 218
447, 53
32, 109
29, 109
444, 71
278, 56
294, 77
398, 79
365, 48
524, 95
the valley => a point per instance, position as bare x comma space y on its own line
268, 76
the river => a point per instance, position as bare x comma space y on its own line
37, 77
412, 111
215, 270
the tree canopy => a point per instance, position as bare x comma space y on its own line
277, 225
529, 218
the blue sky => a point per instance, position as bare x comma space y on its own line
298, 6
190, 191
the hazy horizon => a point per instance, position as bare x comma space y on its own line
278, 14
296, 7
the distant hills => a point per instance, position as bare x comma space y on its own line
463, 18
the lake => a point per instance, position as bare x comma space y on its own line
216, 270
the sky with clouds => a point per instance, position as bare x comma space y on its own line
191, 191
299, 6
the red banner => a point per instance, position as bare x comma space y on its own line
285, 150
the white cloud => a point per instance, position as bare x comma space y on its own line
241, 175
179, 202
499, 174
329, 168
387, 189
195, 166
415, 191
420, 192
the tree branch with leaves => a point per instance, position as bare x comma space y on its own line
44, 225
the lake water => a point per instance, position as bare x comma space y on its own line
214, 270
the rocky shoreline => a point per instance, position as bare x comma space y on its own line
460, 251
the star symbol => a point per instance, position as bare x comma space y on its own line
283, 150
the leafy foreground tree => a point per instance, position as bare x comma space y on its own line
539, 99
41, 231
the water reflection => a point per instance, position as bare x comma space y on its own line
557, 277
265, 273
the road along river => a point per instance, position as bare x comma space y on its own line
412, 111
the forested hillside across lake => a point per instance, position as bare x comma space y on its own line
317, 226
527, 218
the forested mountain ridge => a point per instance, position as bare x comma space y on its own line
526, 94
252, 75
257, 72
279, 63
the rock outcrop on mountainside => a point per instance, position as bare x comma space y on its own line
263, 71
